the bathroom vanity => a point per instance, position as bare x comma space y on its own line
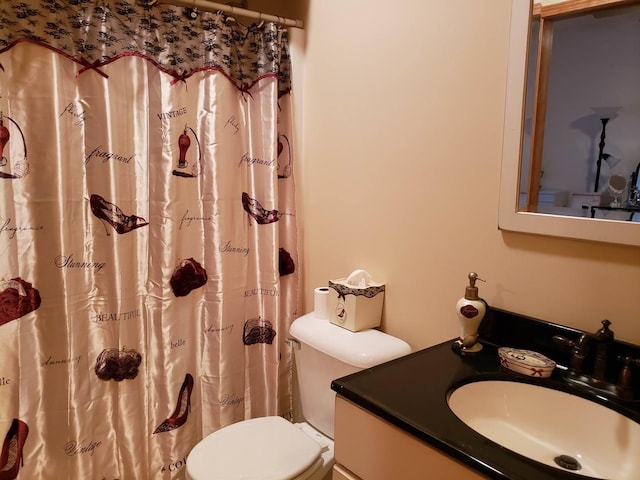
378, 449
394, 421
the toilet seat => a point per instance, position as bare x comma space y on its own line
266, 448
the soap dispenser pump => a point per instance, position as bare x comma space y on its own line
470, 310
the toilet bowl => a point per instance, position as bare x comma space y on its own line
272, 448
265, 448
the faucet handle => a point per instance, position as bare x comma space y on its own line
565, 342
624, 381
578, 346
578, 351
604, 334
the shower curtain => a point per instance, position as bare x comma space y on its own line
148, 263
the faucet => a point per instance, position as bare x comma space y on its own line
602, 339
624, 380
580, 349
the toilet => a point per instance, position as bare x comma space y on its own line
271, 448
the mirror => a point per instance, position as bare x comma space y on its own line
551, 186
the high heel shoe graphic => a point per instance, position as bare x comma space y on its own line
183, 406
110, 213
11, 458
259, 214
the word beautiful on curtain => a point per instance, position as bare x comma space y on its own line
147, 234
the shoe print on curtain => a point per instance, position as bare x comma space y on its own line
258, 330
20, 167
187, 276
111, 214
11, 458
183, 407
17, 298
118, 365
257, 212
184, 142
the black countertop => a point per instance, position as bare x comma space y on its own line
411, 392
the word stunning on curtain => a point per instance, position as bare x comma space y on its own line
148, 265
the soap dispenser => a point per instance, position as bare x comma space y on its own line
470, 310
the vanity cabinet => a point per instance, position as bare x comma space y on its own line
370, 448
394, 420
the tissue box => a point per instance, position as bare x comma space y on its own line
355, 307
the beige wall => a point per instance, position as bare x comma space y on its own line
403, 117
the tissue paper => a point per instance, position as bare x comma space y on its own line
359, 278
321, 303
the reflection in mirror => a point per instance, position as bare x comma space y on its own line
617, 186
586, 100
634, 191
572, 117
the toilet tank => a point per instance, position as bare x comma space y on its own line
327, 352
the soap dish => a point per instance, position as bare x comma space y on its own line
526, 362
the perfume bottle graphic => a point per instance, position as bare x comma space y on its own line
20, 167
4, 138
285, 155
184, 143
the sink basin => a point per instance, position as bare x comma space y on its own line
551, 427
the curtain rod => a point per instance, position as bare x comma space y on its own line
208, 6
